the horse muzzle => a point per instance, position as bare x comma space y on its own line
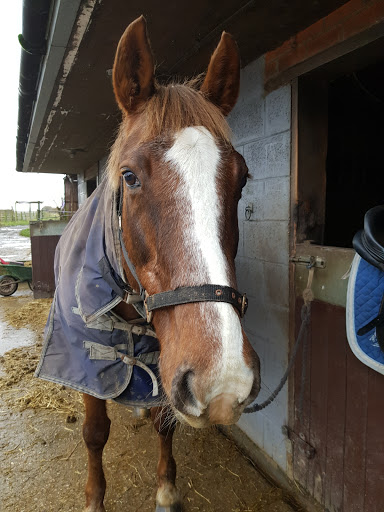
224, 408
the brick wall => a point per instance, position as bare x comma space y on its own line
354, 17
261, 127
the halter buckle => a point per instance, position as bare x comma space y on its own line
244, 305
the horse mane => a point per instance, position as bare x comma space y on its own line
173, 107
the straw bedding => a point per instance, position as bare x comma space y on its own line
20, 389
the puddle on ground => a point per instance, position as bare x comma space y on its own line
15, 338
9, 336
14, 247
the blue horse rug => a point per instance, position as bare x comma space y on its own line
87, 346
365, 313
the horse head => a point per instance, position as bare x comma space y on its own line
181, 183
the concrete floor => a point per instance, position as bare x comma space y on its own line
43, 462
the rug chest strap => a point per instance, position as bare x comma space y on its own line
97, 351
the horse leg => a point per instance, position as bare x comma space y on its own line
95, 434
167, 497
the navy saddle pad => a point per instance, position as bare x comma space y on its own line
364, 313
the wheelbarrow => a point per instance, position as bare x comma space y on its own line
12, 273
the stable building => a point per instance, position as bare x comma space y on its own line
310, 124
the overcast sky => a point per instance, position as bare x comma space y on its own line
16, 186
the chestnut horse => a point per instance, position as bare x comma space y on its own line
182, 181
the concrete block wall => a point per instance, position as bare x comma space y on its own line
82, 183
261, 125
81, 189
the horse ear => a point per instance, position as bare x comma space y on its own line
222, 81
133, 69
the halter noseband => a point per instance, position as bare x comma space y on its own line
182, 295
202, 293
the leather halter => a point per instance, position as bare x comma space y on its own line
182, 295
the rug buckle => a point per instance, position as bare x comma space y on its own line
149, 314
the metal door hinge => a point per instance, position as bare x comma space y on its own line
309, 261
299, 440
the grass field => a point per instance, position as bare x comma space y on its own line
11, 218
25, 232
14, 223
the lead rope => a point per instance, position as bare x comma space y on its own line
305, 319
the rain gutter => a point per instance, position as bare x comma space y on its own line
38, 71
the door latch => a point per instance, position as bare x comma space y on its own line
309, 261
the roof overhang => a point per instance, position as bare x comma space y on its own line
75, 117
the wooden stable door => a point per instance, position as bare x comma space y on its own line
337, 426
337, 405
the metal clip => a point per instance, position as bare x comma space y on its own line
311, 263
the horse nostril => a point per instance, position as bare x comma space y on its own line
181, 393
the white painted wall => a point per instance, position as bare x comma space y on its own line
261, 125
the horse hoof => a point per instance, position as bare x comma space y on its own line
170, 508
94, 508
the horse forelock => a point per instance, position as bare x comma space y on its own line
172, 108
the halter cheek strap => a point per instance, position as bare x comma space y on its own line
182, 295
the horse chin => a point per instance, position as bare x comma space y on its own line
192, 421
203, 420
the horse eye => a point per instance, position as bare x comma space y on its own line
131, 179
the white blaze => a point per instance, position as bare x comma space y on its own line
196, 157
